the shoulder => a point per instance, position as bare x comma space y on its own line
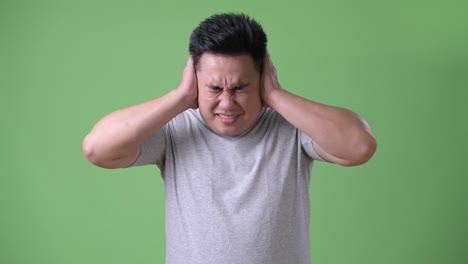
187, 124
273, 118
188, 118
271, 123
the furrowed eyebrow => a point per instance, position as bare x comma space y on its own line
237, 87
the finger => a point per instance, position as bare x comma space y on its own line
189, 62
270, 67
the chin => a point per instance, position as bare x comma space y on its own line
227, 132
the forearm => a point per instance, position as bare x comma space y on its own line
341, 134
115, 140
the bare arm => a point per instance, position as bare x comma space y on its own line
340, 136
114, 142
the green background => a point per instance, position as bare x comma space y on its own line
402, 65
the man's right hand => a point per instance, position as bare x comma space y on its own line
114, 142
188, 85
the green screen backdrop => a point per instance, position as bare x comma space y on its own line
402, 65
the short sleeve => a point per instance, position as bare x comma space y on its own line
152, 151
308, 147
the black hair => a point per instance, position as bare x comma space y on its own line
229, 34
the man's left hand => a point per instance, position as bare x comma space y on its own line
270, 82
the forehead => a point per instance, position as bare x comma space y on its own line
220, 67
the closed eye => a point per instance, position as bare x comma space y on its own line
214, 88
217, 89
240, 87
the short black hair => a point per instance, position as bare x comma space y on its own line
229, 34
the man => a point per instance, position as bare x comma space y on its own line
235, 150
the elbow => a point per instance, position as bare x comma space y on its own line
89, 150
98, 154
363, 152
367, 150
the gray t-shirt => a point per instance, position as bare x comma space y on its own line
241, 199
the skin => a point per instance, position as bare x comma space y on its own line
230, 93
340, 135
115, 140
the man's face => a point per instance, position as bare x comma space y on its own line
228, 92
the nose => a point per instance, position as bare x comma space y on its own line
227, 99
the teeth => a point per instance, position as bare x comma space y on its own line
226, 116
